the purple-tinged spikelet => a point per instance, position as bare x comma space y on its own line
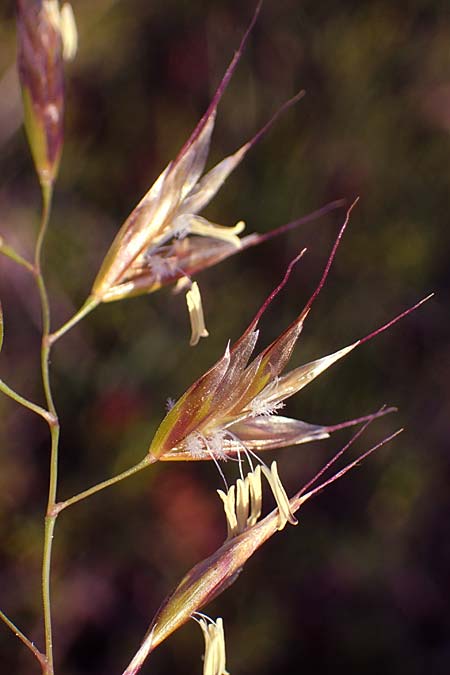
237, 399
40, 61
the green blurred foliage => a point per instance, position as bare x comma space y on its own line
362, 583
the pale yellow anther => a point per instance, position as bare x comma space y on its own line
255, 489
242, 503
194, 304
51, 8
229, 506
182, 284
214, 661
203, 228
63, 21
69, 32
281, 498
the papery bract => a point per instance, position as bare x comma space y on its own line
161, 240
236, 396
210, 577
232, 408
45, 34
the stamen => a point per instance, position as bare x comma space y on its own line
229, 506
285, 512
182, 283
243, 503
52, 10
255, 493
194, 304
214, 660
69, 32
203, 228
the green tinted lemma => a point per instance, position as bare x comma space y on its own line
40, 64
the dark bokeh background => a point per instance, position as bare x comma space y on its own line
362, 583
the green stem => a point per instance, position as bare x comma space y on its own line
9, 252
47, 195
105, 484
18, 633
50, 518
48, 417
90, 304
50, 522
52, 418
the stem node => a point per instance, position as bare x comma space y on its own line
52, 419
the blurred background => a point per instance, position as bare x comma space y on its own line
362, 583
